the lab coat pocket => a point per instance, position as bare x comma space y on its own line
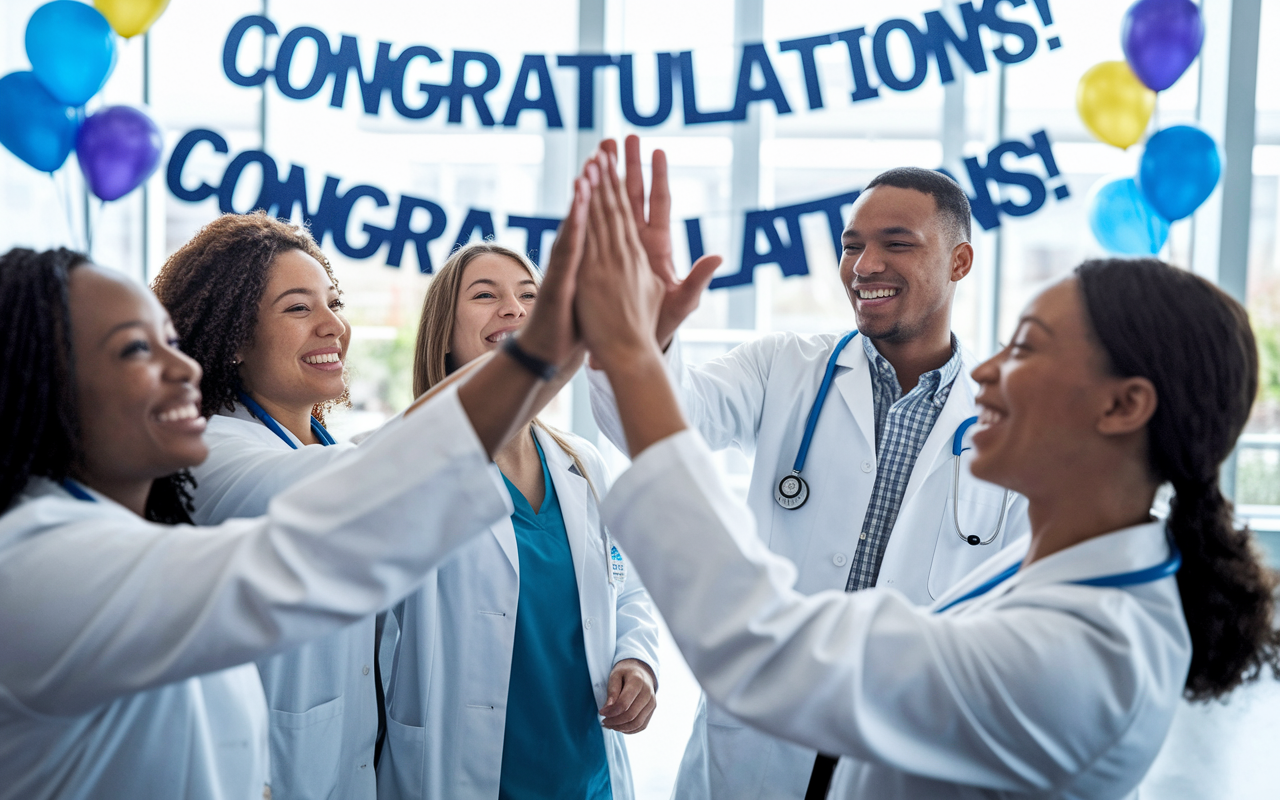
401, 772
953, 556
306, 751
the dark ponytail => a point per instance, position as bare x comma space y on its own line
1194, 343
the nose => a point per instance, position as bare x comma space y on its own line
180, 367
868, 263
512, 308
989, 371
332, 324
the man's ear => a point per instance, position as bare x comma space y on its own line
1133, 403
961, 261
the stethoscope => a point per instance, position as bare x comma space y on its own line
1164, 569
322, 435
793, 491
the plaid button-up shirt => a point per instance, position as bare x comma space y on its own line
902, 425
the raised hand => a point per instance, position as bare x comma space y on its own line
551, 333
681, 297
618, 295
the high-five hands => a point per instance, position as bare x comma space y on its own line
618, 296
618, 304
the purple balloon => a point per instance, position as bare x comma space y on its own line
118, 148
1160, 39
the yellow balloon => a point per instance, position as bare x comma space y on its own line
131, 17
1114, 104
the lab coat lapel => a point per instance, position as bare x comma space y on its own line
854, 385
572, 490
936, 452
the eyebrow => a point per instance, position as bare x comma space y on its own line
488, 282
895, 230
1037, 321
133, 323
298, 290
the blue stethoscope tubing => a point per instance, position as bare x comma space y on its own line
793, 491
258, 411
1164, 569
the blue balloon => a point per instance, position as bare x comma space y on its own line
34, 126
72, 50
1179, 170
1124, 222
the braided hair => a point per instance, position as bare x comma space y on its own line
39, 421
212, 286
39, 425
1194, 343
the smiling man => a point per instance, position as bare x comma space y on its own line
873, 496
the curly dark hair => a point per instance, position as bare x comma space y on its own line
212, 286
39, 421
1194, 343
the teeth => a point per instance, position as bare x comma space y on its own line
327, 358
987, 416
189, 411
498, 337
872, 294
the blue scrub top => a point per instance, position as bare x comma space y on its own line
553, 745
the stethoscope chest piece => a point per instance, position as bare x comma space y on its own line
792, 491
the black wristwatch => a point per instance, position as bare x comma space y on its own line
542, 369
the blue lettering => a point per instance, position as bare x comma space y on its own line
403, 233
884, 67
808, 64
627, 96
586, 66
990, 15
285, 56
520, 101
459, 89
537, 228
178, 160
938, 33
232, 47
754, 55
862, 88
475, 221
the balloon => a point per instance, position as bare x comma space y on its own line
118, 148
1161, 38
1179, 169
72, 50
1114, 104
1123, 221
131, 17
33, 125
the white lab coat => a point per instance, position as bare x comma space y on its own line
447, 693
756, 398
1039, 688
127, 644
321, 697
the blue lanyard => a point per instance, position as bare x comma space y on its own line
1164, 569
812, 422
261, 413
77, 491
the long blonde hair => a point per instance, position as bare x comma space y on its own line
431, 361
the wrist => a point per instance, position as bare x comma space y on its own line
620, 357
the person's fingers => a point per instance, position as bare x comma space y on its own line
612, 202
615, 689
635, 179
659, 192
609, 146
628, 231
641, 720
566, 250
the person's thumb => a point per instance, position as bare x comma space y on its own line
699, 277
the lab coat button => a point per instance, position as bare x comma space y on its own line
587, 623
867, 466
839, 559
365, 671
